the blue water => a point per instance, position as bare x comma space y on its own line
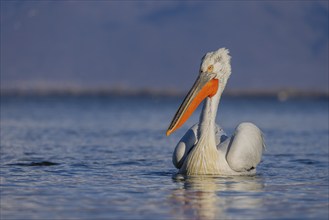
90, 157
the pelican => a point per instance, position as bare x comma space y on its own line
205, 148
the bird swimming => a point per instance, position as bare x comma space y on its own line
205, 148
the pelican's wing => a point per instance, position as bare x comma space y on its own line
184, 146
245, 147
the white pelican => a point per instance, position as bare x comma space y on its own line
205, 148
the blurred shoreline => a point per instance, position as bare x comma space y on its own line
282, 94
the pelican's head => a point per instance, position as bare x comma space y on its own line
214, 72
217, 63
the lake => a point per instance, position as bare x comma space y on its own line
107, 157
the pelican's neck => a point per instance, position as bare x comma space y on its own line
207, 121
204, 157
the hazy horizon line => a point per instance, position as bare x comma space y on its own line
281, 94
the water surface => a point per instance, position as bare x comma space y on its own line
108, 157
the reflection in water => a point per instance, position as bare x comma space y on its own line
209, 197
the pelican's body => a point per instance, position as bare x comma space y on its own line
205, 148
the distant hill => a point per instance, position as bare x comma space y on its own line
281, 94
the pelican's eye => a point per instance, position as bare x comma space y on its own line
210, 68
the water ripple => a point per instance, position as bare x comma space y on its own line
42, 163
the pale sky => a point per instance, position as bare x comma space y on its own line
159, 44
